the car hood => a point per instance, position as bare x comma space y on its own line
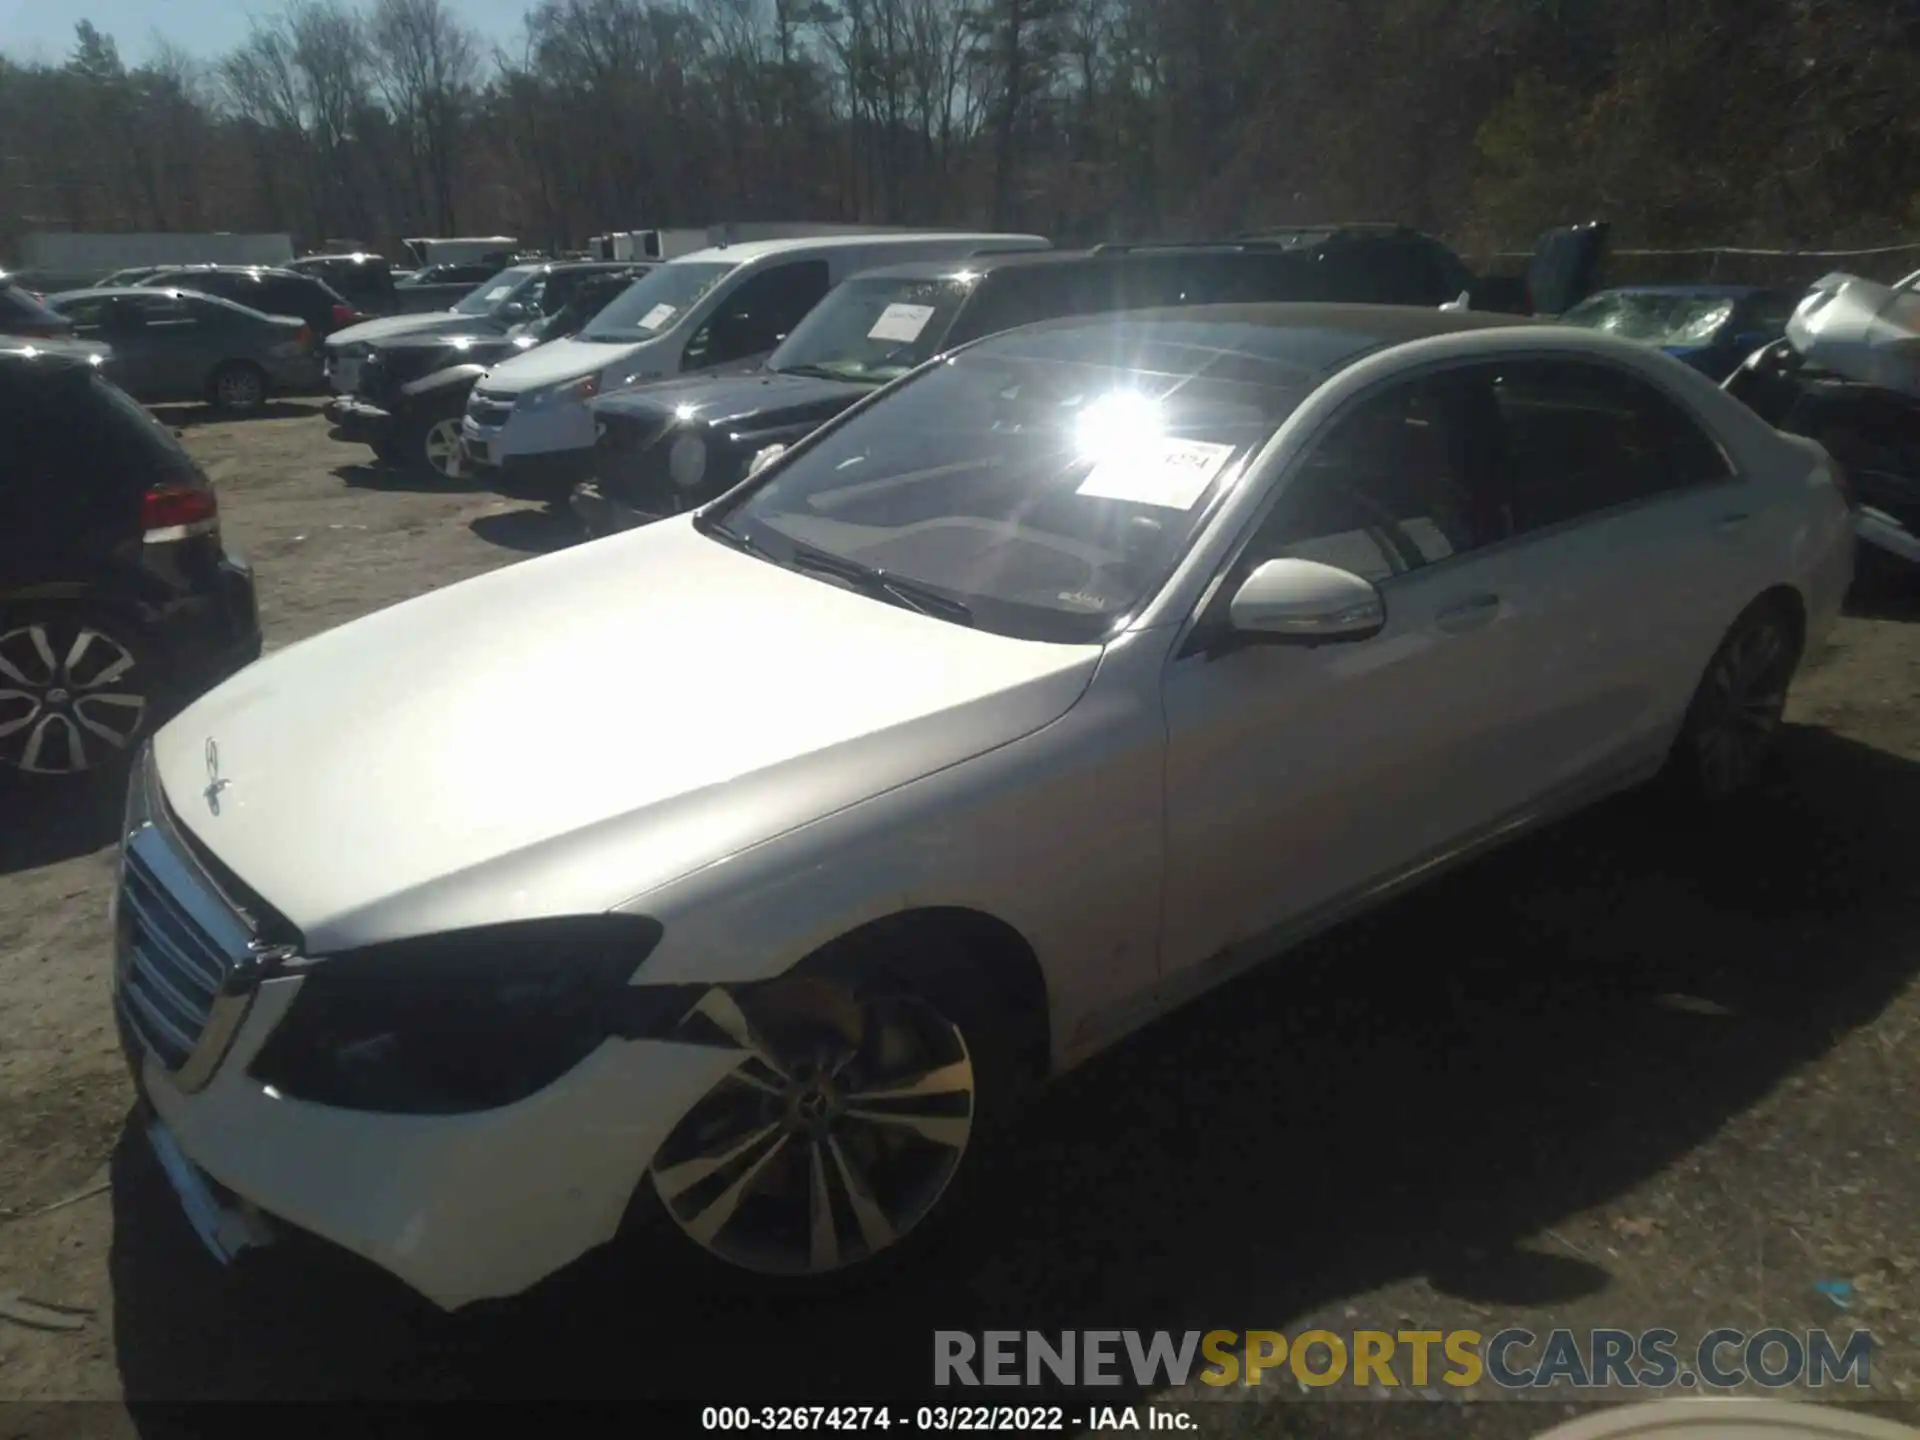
557, 362
576, 730
433, 322
758, 401
463, 347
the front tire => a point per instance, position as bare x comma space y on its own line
1732, 725
845, 1141
77, 692
430, 446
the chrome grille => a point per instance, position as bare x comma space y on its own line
173, 967
178, 941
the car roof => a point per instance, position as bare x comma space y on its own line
974, 264
1105, 254
175, 292
1384, 325
275, 270
746, 250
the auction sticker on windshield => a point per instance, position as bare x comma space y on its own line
656, 317
901, 322
498, 291
1170, 473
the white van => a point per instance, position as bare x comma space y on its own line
527, 426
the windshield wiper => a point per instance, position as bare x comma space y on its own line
908, 594
721, 531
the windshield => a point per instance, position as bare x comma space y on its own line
655, 303
1048, 481
873, 329
1654, 319
490, 295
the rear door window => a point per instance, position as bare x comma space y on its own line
1582, 438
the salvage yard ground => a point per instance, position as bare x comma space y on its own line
1637, 1073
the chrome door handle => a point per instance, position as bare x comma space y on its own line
1469, 614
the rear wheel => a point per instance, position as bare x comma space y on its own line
1734, 721
238, 387
76, 692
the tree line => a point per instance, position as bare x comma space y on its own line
1769, 122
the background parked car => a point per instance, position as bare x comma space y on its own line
182, 345
509, 298
102, 508
413, 389
528, 428
269, 291
668, 447
28, 317
671, 446
438, 286
1711, 327
363, 280
133, 275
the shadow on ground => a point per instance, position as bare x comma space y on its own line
530, 531
1885, 589
185, 417
1412, 1096
46, 820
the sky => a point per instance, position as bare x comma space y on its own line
43, 29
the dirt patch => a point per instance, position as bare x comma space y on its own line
1637, 1073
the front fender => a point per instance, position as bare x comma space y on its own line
441, 382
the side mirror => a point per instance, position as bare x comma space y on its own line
1303, 600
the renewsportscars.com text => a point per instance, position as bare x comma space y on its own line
1513, 1359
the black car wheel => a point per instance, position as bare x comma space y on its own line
238, 387
1735, 717
76, 691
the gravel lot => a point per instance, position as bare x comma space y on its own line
1633, 1074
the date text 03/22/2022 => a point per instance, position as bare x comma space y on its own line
940, 1419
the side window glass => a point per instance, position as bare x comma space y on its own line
1385, 491
163, 312
758, 315
86, 314
1584, 438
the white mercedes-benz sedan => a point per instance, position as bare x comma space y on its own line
733, 875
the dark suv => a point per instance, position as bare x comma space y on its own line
117, 599
272, 291
364, 281
669, 447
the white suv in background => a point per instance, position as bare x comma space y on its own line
527, 425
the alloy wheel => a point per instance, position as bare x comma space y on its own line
1742, 705
441, 448
835, 1136
69, 695
238, 388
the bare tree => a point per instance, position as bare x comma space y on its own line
427, 65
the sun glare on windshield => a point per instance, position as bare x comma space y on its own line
1117, 424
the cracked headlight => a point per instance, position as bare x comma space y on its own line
467, 1020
